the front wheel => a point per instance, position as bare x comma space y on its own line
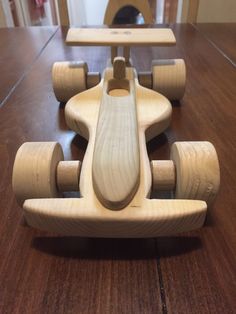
197, 170
34, 170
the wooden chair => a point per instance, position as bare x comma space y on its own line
3, 22
189, 11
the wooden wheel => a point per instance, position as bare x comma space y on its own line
197, 170
34, 170
69, 78
169, 77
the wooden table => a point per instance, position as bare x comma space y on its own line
193, 272
19, 49
222, 36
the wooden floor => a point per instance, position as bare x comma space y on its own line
193, 272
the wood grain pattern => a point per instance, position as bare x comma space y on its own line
69, 274
120, 37
191, 273
121, 174
141, 217
197, 170
34, 170
69, 78
116, 164
222, 36
17, 62
198, 267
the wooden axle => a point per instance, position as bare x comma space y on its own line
67, 175
163, 175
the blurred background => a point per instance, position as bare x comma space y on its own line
92, 12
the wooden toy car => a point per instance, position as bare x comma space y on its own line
117, 115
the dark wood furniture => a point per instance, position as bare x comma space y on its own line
187, 273
19, 49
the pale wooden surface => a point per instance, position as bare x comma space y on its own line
67, 175
163, 175
120, 37
116, 165
114, 6
142, 217
197, 170
169, 77
34, 171
69, 78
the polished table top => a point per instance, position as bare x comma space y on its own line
193, 272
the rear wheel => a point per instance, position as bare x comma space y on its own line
169, 77
69, 79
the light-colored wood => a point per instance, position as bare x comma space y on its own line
114, 6
34, 170
197, 170
142, 217
147, 218
119, 68
67, 175
63, 12
169, 77
69, 78
163, 175
116, 166
120, 37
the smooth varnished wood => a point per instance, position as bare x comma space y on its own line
120, 37
17, 62
222, 36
